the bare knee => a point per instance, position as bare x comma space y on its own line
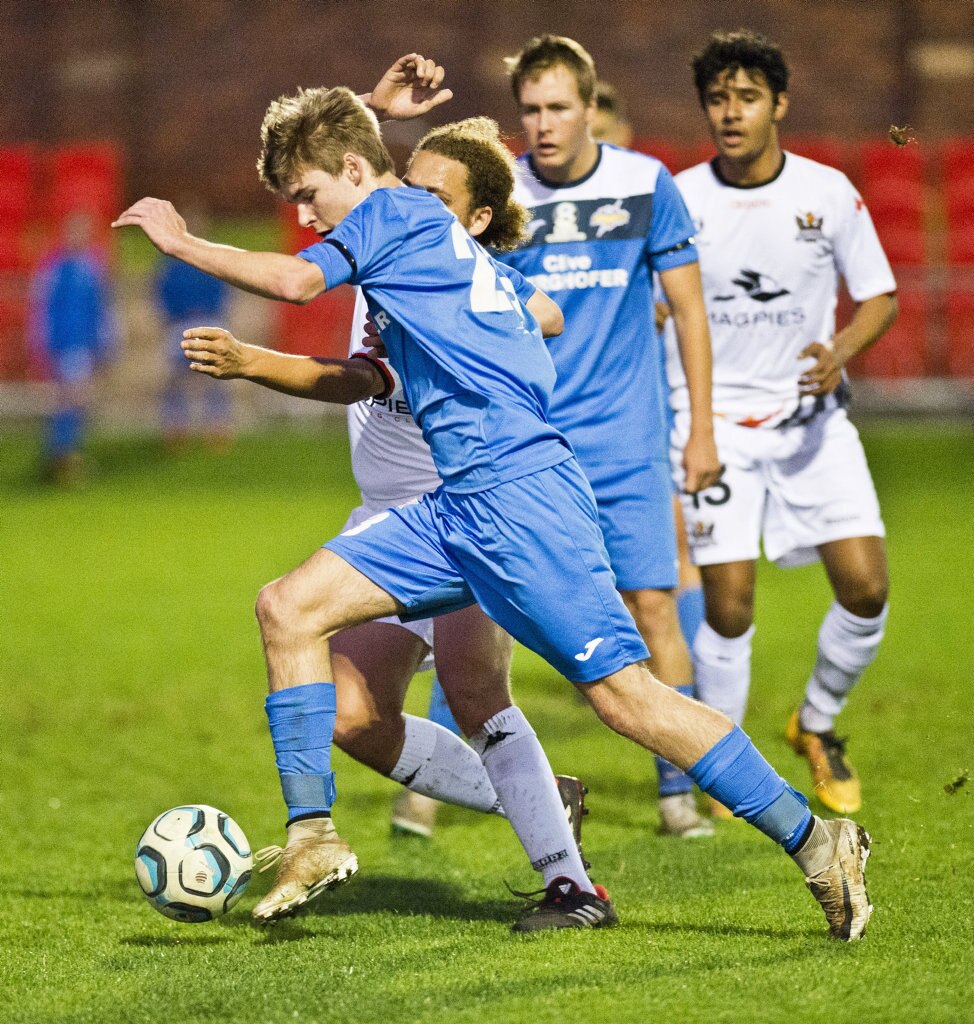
654, 611
865, 596
272, 610
282, 615
729, 610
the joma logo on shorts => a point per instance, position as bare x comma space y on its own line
589, 649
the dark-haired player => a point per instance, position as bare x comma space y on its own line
514, 527
775, 232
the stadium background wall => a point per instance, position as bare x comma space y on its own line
182, 86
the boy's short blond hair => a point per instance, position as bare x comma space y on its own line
313, 130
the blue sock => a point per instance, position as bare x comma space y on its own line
673, 781
64, 431
439, 711
734, 773
302, 721
690, 609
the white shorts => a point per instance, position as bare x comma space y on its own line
423, 628
790, 488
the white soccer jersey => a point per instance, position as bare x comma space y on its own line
391, 462
771, 256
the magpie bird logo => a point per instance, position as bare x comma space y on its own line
757, 286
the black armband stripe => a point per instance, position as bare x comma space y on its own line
345, 251
383, 369
674, 248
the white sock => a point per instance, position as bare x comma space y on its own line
847, 646
523, 779
439, 764
722, 670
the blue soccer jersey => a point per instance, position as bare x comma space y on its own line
475, 370
594, 244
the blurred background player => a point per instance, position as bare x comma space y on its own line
186, 297
611, 124
603, 221
73, 333
796, 476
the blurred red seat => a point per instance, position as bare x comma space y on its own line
902, 352
821, 148
960, 333
17, 186
958, 185
322, 327
666, 152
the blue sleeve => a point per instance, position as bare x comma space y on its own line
523, 288
365, 246
670, 242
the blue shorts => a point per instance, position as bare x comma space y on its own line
636, 515
529, 552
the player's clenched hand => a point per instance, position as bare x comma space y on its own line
215, 352
158, 219
701, 465
825, 375
409, 88
372, 341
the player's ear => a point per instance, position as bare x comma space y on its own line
352, 165
478, 220
781, 106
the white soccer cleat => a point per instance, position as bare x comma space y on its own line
414, 814
314, 860
841, 887
678, 816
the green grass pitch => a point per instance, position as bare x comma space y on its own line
132, 680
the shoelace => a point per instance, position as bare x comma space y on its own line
557, 897
268, 857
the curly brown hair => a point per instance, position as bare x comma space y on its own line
314, 129
476, 143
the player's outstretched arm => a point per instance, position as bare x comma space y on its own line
217, 353
684, 296
548, 313
872, 319
272, 275
410, 88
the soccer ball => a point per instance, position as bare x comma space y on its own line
193, 863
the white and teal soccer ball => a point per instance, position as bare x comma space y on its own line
193, 863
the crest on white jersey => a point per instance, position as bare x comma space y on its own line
809, 227
609, 217
564, 227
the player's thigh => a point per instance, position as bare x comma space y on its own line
401, 551
532, 553
635, 503
819, 490
373, 665
322, 595
473, 664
